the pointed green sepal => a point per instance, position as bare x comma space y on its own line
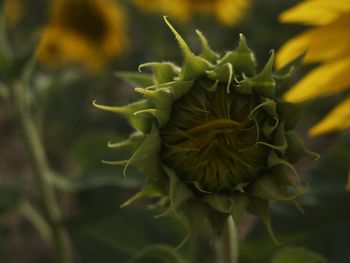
262, 83
240, 203
141, 123
206, 52
279, 140
291, 113
178, 191
133, 142
219, 202
162, 116
234, 204
274, 161
135, 78
260, 207
146, 158
161, 98
180, 88
267, 188
193, 66
242, 58
269, 126
223, 73
163, 71
150, 189
284, 75
296, 147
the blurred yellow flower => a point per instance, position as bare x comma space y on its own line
227, 11
83, 32
13, 10
328, 43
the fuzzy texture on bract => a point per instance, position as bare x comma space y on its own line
214, 137
83, 32
327, 43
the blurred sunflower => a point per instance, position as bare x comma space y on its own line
328, 43
227, 11
13, 10
84, 32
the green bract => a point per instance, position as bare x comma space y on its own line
214, 137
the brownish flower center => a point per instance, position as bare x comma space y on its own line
210, 140
83, 17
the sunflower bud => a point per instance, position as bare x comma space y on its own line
214, 137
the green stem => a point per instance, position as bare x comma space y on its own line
41, 172
229, 243
27, 210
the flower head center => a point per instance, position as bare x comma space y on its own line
210, 140
83, 17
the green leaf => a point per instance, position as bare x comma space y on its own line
135, 79
157, 254
297, 255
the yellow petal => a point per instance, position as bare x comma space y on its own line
326, 79
316, 12
67, 40
229, 11
337, 120
58, 47
322, 44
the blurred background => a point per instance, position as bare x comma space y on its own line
78, 52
